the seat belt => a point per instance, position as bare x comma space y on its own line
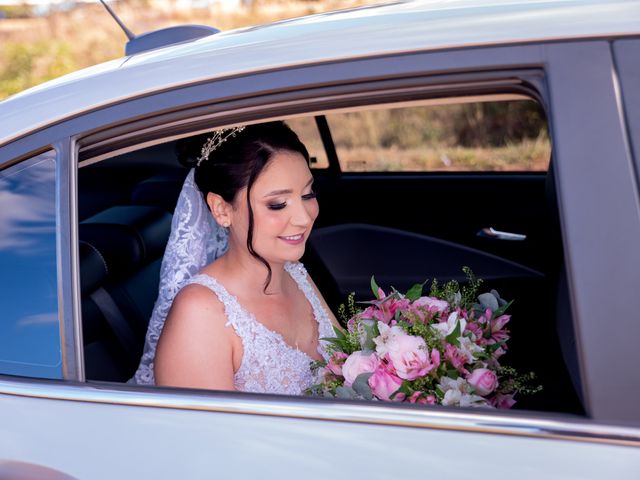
112, 313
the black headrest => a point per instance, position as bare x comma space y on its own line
128, 236
93, 269
160, 190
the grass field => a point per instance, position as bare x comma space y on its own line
35, 50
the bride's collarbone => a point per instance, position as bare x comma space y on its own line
290, 315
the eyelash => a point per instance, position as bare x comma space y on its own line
280, 206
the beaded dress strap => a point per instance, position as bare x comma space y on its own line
236, 316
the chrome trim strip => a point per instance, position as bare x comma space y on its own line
68, 263
62, 242
549, 426
624, 122
76, 297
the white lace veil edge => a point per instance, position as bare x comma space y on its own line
195, 241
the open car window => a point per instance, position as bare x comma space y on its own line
404, 230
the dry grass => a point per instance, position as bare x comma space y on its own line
35, 50
527, 155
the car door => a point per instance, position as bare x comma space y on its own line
91, 429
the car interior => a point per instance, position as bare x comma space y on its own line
408, 192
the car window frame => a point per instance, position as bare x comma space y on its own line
104, 125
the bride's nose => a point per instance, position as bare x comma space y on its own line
300, 215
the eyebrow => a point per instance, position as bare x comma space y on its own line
286, 191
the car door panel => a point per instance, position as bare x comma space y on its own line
119, 441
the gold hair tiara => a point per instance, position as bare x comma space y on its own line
218, 138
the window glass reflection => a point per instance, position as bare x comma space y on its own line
29, 327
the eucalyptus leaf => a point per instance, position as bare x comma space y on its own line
346, 393
501, 301
368, 331
361, 386
488, 300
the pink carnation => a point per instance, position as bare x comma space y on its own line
432, 304
409, 356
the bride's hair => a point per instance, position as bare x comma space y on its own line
238, 162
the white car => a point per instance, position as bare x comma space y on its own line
502, 135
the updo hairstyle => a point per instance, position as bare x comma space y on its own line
238, 162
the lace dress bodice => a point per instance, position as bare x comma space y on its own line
269, 364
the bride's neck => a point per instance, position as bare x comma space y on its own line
250, 272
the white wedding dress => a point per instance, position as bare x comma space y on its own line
269, 364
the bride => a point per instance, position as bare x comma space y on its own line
236, 309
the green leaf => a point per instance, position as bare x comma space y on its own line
415, 292
452, 338
374, 287
361, 386
339, 333
502, 309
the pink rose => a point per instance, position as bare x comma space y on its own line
384, 384
483, 380
409, 356
336, 361
357, 363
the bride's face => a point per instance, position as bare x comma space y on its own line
284, 208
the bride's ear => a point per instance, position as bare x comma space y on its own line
220, 209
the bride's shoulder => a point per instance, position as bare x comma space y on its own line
197, 300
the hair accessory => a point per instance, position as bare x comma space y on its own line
218, 138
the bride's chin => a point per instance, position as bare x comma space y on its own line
292, 256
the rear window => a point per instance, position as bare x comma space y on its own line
478, 136
29, 327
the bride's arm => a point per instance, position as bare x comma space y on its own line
195, 348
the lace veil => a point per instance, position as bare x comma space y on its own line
195, 241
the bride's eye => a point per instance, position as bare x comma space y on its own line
309, 196
277, 206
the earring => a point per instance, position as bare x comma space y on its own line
226, 225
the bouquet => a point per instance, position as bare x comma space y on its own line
443, 348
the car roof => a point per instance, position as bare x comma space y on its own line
403, 26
